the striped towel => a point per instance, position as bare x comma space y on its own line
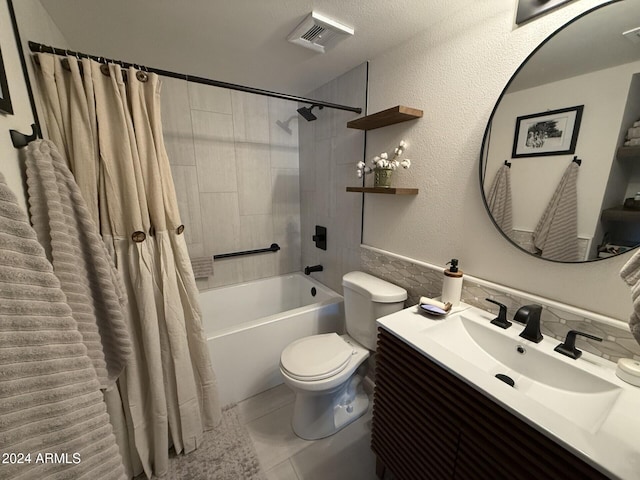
50, 398
630, 273
499, 200
556, 235
202, 267
80, 259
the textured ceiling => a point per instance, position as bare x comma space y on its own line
242, 41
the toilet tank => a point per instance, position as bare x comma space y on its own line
367, 298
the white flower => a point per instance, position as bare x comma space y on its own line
382, 161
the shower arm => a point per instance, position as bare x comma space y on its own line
40, 48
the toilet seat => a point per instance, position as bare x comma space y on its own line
316, 357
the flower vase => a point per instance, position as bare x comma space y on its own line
382, 177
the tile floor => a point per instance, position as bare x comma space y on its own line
343, 456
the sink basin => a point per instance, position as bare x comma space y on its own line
558, 383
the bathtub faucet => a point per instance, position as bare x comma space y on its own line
315, 268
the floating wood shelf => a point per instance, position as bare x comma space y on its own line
632, 153
620, 214
388, 191
390, 116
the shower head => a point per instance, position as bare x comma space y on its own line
308, 114
285, 125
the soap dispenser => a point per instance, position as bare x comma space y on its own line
452, 284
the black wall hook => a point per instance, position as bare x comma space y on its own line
20, 140
577, 160
508, 164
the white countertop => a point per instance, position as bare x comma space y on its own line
612, 446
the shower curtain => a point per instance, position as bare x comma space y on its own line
106, 121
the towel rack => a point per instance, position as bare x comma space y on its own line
273, 248
20, 140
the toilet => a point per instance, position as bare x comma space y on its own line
326, 371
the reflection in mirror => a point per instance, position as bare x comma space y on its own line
577, 97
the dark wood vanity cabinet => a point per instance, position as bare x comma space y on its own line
429, 424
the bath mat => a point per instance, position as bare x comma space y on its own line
227, 453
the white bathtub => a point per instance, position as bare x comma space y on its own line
248, 325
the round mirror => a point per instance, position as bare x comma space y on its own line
560, 162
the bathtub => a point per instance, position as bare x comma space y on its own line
248, 325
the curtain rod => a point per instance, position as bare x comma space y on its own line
40, 48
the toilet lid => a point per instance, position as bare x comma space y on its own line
316, 357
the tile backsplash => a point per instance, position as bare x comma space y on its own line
423, 280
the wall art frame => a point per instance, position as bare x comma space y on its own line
5, 98
554, 132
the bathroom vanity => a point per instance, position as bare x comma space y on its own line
440, 412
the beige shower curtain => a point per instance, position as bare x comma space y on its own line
107, 123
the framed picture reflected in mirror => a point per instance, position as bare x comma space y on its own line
547, 133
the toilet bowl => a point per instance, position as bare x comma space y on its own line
326, 371
320, 370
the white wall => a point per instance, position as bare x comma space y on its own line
22, 118
534, 179
455, 72
35, 24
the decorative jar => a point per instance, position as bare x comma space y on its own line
382, 177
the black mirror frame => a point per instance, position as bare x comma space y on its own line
487, 134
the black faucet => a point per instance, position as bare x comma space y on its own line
530, 315
568, 347
501, 320
315, 268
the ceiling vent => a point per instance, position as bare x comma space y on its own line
318, 32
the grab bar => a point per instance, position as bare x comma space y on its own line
273, 248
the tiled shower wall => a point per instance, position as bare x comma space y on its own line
236, 175
420, 280
329, 152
